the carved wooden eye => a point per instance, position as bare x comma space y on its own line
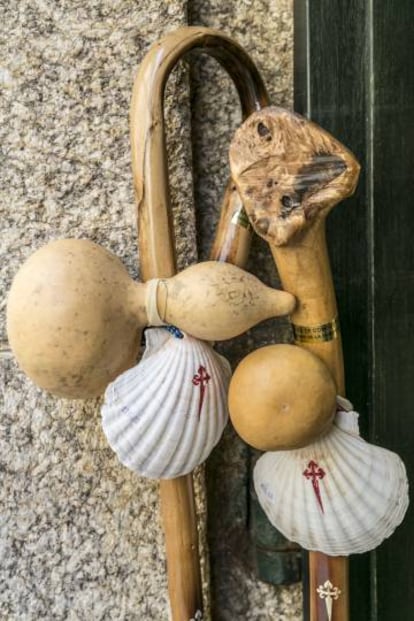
264, 131
262, 225
290, 202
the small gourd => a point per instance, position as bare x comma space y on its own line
218, 301
281, 397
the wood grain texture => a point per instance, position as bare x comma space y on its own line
392, 184
290, 173
233, 236
181, 543
147, 131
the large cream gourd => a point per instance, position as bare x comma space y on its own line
75, 316
71, 318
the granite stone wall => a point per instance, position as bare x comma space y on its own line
80, 536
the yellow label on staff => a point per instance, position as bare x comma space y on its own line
317, 334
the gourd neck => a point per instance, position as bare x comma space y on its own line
136, 302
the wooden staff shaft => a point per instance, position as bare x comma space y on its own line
157, 252
316, 301
231, 244
234, 233
317, 306
333, 569
181, 543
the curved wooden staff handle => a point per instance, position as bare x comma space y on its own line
234, 232
157, 251
149, 157
290, 173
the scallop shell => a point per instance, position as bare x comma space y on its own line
164, 416
339, 495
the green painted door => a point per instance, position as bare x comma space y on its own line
354, 75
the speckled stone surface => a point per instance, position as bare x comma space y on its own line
80, 536
78, 539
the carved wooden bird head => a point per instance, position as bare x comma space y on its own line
289, 172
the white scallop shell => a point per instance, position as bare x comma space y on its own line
158, 417
339, 495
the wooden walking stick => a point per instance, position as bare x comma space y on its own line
157, 255
290, 173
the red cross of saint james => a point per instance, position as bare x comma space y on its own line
201, 379
314, 473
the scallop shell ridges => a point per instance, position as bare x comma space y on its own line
339, 495
165, 415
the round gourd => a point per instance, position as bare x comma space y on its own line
281, 397
70, 321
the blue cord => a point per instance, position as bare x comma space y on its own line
174, 331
